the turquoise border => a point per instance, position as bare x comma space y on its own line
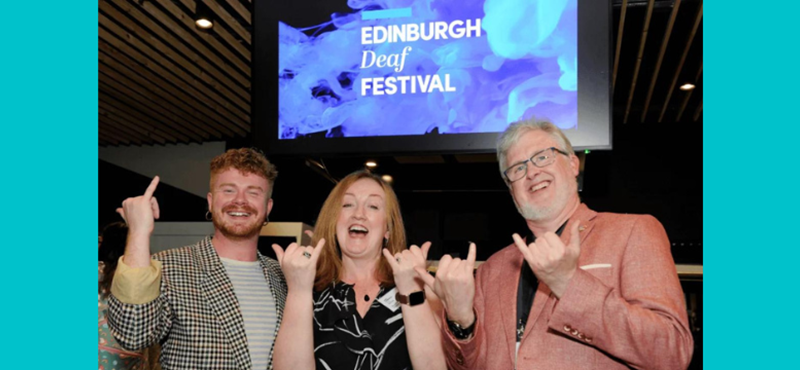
48, 112
48, 115
751, 81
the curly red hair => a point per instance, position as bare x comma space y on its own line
247, 161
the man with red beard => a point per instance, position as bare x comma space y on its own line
216, 304
578, 290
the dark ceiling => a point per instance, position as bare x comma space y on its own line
164, 81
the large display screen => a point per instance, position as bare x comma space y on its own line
368, 76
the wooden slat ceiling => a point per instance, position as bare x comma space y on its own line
163, 81
659, 46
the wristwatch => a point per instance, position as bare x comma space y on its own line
459, 332
412, 299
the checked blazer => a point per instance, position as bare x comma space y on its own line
196, 316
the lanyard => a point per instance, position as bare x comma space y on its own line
528, 284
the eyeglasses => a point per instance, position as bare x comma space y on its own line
540, 159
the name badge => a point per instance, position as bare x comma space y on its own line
388, 300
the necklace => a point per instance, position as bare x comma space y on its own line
366, 295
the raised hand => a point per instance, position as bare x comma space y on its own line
552, 262
455, 285
403, 267
140, 212
299, 265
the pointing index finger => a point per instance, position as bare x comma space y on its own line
151, 188
471, 255
278, 252
390, 259
425, 248
317, 250
521, 246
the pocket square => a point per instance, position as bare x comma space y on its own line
596, 266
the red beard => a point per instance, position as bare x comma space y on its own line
237, 230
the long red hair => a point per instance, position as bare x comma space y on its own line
329, 265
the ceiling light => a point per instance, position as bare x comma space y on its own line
203, 18
687, 87
387, 178
204, 23
371, 164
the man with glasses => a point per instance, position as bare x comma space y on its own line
578, 290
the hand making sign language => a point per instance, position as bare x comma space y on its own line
404, 265
299, 264
140, 214
144, 208
455, 285
552, 262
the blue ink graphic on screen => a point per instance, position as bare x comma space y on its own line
406, 67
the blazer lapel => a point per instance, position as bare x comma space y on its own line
508, 293
218, 291
542, 299
277, 285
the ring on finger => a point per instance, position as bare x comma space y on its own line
306, 254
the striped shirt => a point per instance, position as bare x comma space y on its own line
257, 305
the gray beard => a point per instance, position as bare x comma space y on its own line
528, 212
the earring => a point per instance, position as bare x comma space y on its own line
385, 242
266, 222
208, 216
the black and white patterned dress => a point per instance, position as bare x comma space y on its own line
343, 340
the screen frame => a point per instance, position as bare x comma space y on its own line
594, 98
